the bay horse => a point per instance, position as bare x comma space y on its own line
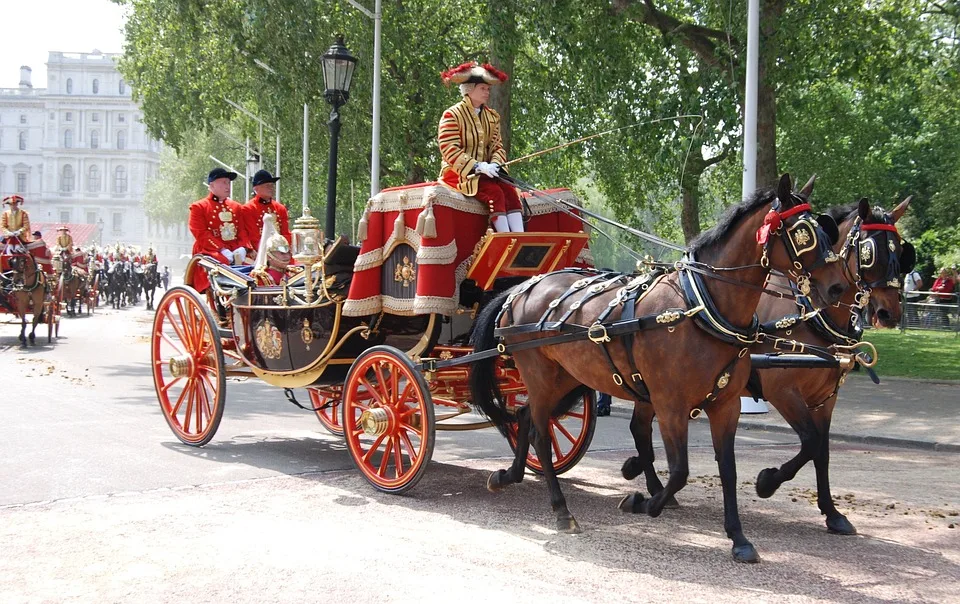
71, 281
26, 290
873, 258
657, 360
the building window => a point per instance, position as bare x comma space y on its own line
21, 182
69, 86
96, 87
117, 222
120, 180
121, 118
95, 117
93, 179
68, 139
123, 87
64, 216
91, 217
68, 117
23, 119
66, 179
22, 143
94, 139
121, 140
53, 116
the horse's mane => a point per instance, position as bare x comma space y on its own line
710, 238
846, 211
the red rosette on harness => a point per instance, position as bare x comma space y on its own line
771, 222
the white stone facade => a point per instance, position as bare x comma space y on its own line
77, 150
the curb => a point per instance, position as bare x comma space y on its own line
888, 441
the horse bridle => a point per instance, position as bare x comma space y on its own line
803, 236
865, 248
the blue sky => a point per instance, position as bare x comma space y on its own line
32, 28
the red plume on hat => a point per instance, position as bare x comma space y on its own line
472, 72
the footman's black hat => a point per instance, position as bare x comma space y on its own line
263, 177
220, 173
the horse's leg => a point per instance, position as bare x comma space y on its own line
724, 414
37, 314
674, 424
794, 410
836, 522
641, 427
501, 478
540, 415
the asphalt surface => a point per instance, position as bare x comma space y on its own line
101, 503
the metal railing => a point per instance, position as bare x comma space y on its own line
931, 311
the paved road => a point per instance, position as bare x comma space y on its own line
101, 503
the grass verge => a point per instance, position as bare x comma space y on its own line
916, 354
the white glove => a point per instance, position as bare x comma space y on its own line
493, 170
228, 255
239, 255
487, 169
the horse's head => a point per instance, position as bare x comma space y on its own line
874, 256
806, 253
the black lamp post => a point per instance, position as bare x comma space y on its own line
338, 66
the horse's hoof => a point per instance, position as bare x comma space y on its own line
766, 485
33, 339
671, 504
632, 503
631, 468
568, 526
745, 553
495, 481
839, 525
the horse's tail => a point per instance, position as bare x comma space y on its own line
484, 388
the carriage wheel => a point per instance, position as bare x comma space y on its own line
327, 409
389, 414
570, 436
188, 371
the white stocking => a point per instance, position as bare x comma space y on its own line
516, 222
501, 225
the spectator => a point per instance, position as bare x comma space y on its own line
943, 293
912, 284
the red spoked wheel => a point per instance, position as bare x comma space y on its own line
570, 436
389, 415
188, 368
326, 404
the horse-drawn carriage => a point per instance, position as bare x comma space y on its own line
356, 327
27, 287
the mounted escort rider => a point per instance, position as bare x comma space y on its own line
471, 148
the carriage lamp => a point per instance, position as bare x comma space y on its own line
338, 66
307, 249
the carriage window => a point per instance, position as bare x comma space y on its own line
530, 256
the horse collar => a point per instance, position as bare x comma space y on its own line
708, 317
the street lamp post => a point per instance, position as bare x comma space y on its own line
100, 232
338, 66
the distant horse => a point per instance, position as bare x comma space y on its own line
636, 342
71, 281
24, 290
151, 279
117, 283
873, 257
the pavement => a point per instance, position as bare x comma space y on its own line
899, 412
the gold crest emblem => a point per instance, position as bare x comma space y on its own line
228, 232
723, 381
802, 237
306, 334
866, 253
269, 340
406, 273
226, 216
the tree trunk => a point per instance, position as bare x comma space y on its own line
502, 23
767, 172
690, 212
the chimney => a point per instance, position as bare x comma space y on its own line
25, 73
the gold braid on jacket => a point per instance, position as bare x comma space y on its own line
466, 138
